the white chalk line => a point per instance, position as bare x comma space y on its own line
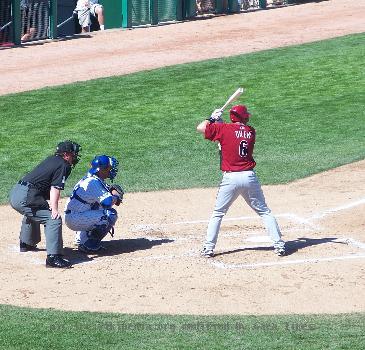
29, 256
219, 264
228, 266
241, 218
222, 265
294, 217
32, 259
189, 236
339, 208
307, 222
309, 226
349, 241
266, 239
164, 228
355, 243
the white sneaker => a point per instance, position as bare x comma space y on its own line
207, 253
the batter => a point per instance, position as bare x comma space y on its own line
237, 141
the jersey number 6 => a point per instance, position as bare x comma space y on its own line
243, 148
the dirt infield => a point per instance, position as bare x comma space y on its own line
152, 265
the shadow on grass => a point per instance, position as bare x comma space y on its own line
115, 247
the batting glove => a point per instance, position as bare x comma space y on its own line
216, 116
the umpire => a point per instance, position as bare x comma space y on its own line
29, 197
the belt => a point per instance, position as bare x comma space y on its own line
237, 171
24, 183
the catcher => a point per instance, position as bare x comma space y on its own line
89, 210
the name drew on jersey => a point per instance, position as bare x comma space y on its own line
243, 146
243, 134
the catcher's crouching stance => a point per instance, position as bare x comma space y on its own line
89, 210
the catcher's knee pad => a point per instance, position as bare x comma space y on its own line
99, 232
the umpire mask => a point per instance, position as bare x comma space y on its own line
69, 146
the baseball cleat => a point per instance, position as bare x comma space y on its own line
280, 251
279, 248
91, 247
207, 253
57, 261
24, 247
82, 248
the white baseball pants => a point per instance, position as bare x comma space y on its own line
246, 184
85, 221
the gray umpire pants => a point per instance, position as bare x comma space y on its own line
30, 229
247, 185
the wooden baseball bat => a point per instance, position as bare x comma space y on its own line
232, 98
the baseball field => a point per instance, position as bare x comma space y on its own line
138, 95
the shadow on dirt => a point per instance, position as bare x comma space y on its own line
291, 246
298, 2
26, 44
303, 242
243, 250
115, 247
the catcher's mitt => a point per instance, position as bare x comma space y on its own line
119, 192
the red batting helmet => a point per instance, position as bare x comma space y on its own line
238, 112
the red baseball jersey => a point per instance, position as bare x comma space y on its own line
237, 142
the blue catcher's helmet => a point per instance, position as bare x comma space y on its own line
104, 162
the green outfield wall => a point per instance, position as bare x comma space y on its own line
31, 20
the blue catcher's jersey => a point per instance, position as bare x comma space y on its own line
89, 193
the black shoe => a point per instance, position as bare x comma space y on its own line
57, 261
24, 247
90, 249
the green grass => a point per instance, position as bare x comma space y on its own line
308, 109
307, 103
29, 329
